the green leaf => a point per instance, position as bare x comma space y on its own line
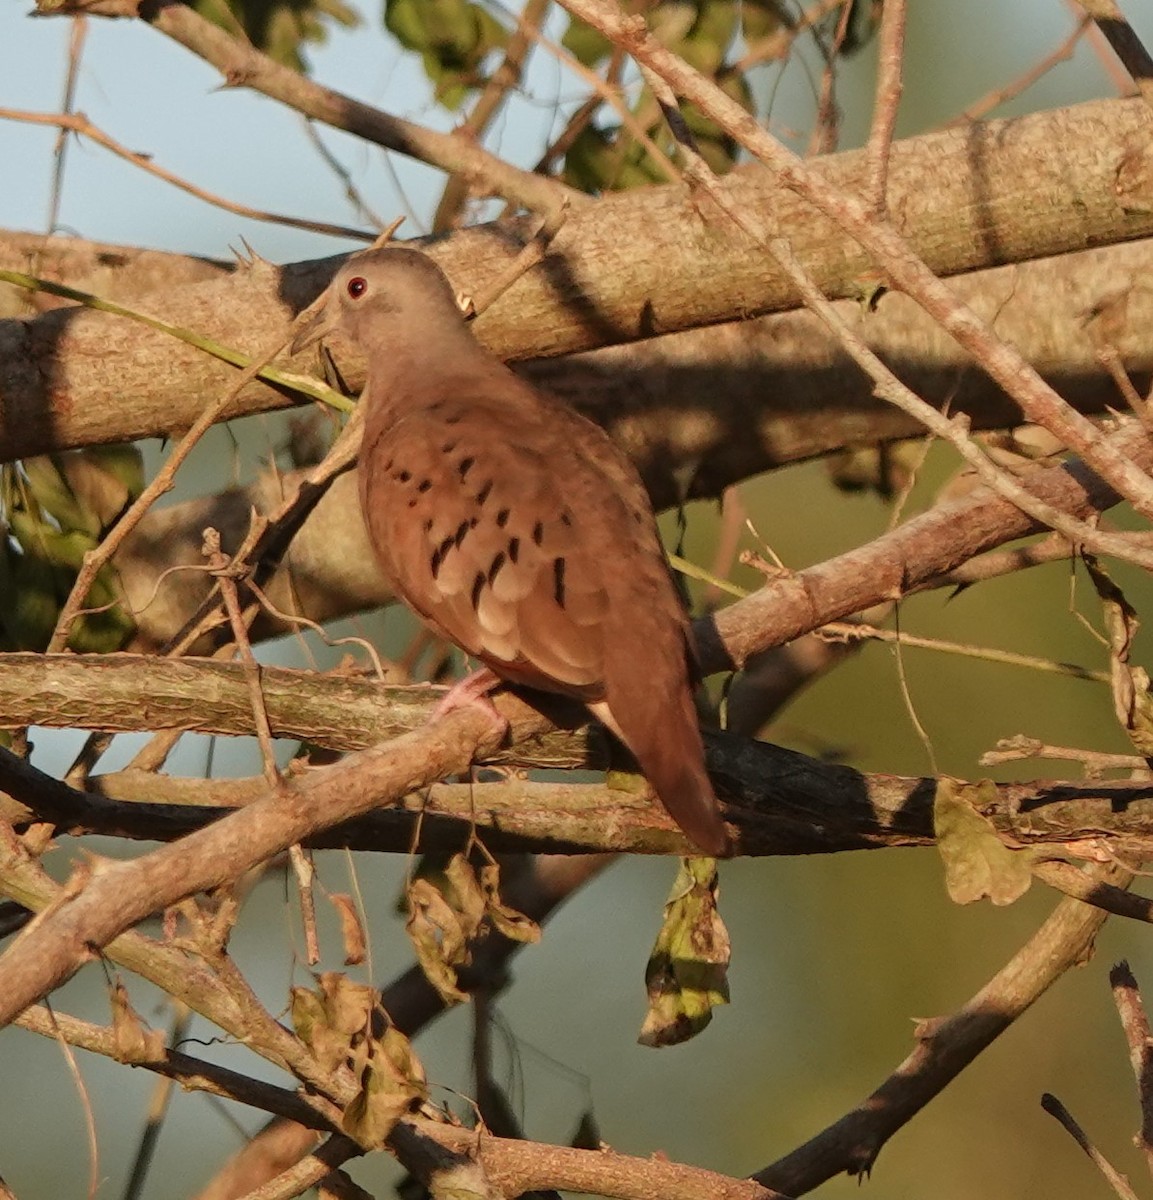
280, 28
759, 19
54, 494
687, 973
105, 479
451, 36
977, 863
31, 614
109, 625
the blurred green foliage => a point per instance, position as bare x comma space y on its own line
703, 33
455, 40
53, 511
452, 38
279, 27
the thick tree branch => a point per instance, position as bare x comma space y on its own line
116, 896
242, 65
889, 250
604, 280
781, 801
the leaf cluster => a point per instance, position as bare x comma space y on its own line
452, 37
280, 27
54, 510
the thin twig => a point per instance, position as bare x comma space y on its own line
777, 45
158, 1107
886, 103
1135, 1023
95, 559
278, 528
308, 1172
78, 35
994, 564
1126, 44
850, 631
226, 571
610, 94
1041, 404
351, 191
305, 872
1064, 1117
1081, 884
532, 253
244, 66
1014, 749
827, 124
192, 1073
89, 1115
497, 88
1010, 91
78, 123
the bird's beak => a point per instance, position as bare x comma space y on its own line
318, 320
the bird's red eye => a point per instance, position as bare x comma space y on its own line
357, 286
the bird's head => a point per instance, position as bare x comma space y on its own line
381, 294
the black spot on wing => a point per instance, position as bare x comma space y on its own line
538, 532
502, 518
484, 493
513, 550
497, 564
436, 561
477, 589
558, 571
465, 465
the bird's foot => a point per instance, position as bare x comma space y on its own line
472, 691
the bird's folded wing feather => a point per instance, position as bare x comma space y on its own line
467, 514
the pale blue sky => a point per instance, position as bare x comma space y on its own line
156, 97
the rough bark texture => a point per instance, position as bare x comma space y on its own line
631, 266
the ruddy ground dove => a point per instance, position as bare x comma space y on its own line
515, 527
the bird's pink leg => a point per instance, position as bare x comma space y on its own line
473, 689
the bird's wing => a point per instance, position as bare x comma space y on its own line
466, 507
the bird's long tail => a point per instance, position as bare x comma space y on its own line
672, 759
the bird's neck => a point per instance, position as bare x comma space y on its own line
446, 362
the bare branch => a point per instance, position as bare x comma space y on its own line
944, 1048
1135, 1023
244, 66
1115, 1179
593, 288
887, 249
78, 123
1126, 44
